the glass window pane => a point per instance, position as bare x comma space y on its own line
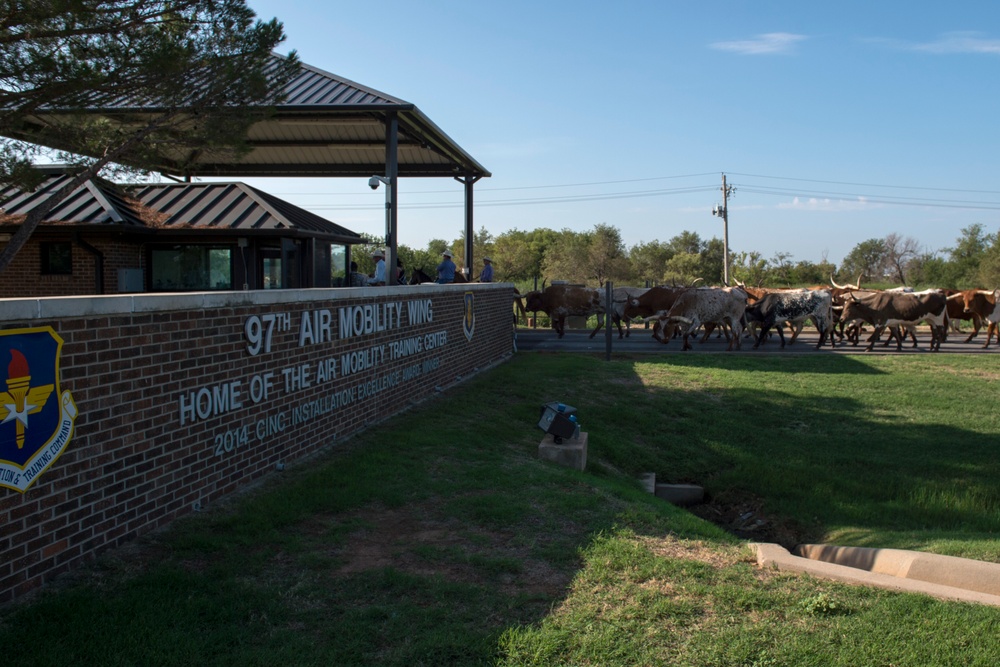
338, 265
272, 272
57, 258
191, 268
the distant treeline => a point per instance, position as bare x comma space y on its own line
599, 255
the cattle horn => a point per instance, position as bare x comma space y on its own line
696, 281
834, 283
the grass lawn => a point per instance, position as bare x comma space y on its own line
439, 538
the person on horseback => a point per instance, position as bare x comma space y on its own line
486, 275
446, 269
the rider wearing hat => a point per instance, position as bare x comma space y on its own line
446, 269
486, 275
379, 277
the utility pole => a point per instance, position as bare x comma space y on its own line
723, 212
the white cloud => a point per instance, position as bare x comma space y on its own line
960, 42
948, 43
767, 44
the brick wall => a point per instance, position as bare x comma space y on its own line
183, 399
23, 278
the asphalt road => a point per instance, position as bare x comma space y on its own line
641, 341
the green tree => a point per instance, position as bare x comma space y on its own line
867, 259
749, 268
899, 252
361, 253
970, 249
686, 242
931, 270
482, 246
684, 268
203, 67
512, 257
780, 273
567, 258
437, 246
606, 256
711, 261
519, 255
648, 261
806, 273
988, 276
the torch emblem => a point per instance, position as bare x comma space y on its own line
36, 419
469, 315
21, 399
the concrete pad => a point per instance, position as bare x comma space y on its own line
681, 494
571, 453
774, 555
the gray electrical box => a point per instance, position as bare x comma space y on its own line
130, 280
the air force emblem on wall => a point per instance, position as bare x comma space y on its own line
469, 320
36, 420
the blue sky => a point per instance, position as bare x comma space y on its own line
835, 122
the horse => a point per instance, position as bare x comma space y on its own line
419, 277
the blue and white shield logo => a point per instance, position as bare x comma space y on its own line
469, 320
36, 420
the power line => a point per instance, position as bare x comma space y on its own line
749, 188
529, 201
868, 185
526, 187
875, 199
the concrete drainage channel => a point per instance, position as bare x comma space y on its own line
683, 495
943, 577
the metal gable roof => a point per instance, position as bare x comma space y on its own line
96, 202
220, 207
233, 207
327, 126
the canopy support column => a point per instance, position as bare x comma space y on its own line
469, 180
391, 189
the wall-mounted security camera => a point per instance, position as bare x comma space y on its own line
373, 182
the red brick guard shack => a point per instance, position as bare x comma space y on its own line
184, 398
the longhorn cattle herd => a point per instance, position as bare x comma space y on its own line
840, 313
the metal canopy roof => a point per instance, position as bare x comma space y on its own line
327, 126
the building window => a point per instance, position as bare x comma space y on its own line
194, 268
57, 258
338, 266
271, 263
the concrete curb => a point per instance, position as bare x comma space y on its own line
912, 570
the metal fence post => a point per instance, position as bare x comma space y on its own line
609, 308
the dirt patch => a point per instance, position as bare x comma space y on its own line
680, 549
412, 541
